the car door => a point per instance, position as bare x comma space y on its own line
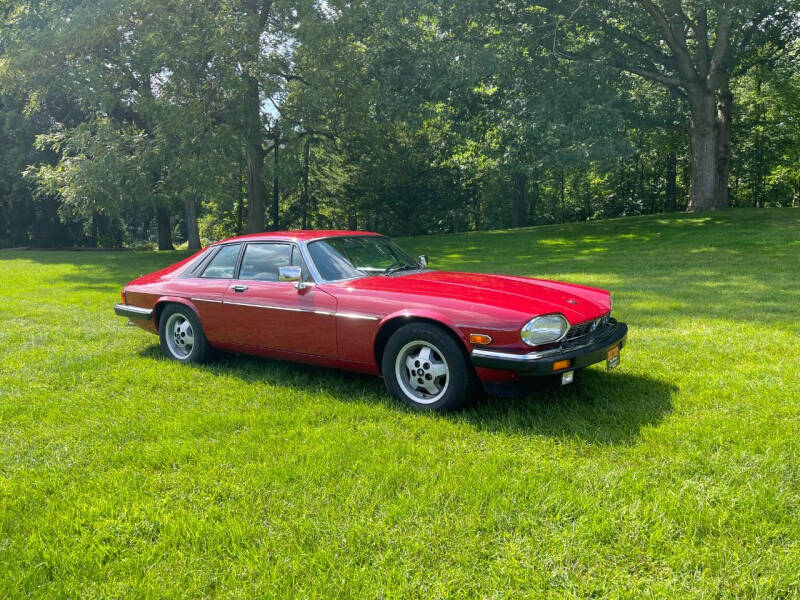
262, 312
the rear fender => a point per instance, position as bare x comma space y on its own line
164, 300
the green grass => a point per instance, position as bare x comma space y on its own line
677, 475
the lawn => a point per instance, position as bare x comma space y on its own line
123, 474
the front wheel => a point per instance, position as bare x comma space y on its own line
181, 335
427, 369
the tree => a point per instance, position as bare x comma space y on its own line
690, 46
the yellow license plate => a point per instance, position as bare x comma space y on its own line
612, 358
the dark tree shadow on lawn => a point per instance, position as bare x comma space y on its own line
598, 408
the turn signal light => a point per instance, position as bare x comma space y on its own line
479, 338
561, 364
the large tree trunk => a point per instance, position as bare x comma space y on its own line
275, 195
703, 132
534, 200
518, 206
254, 152
93, 231
724, 111
304, 194
239, 197
671, 187
192, 231
164, 229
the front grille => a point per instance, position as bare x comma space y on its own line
587, 327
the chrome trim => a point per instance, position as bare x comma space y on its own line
534, 356
289, 273
522, 358
272, 307
555, 341
313, 268
356, 316
306, 310
133, 312
214, 300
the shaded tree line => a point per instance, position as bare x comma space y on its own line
139, 122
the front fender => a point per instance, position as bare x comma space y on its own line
393, 321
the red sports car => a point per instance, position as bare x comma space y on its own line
355, 300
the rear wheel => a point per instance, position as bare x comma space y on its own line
427, 369
181, 335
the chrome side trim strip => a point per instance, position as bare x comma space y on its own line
356, 316
269, 306
214, 300
133, 312
305, 310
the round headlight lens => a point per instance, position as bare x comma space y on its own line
544, 329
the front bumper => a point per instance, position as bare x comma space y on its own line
133, 312
540, 362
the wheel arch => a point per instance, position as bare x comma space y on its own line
391, 323
164, 301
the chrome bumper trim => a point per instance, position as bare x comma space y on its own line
520, 358
133, 312
534, 356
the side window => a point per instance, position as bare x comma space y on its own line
262, 261
297, 261
223, 264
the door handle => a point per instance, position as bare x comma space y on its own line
239, 288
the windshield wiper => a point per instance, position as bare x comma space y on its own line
391, 270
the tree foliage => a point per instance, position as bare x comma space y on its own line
167, 121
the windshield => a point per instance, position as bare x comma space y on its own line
347, 257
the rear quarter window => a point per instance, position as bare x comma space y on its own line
223, 264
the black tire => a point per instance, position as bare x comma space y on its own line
460, 386
176, 347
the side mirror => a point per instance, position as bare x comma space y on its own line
423, 261
292, 274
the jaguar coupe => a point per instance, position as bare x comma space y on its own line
355, 300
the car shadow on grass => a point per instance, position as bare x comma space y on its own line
598, 408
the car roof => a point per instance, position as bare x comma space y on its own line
305, 235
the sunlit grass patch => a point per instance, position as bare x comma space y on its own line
123, 474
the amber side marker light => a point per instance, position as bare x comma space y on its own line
561, 364
480, 339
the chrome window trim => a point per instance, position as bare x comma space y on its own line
201, 274
313, 267
199, 263
293, 244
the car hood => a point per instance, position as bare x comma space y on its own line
522, 294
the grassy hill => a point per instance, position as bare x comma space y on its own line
677, 475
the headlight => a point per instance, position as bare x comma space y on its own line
544, 329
